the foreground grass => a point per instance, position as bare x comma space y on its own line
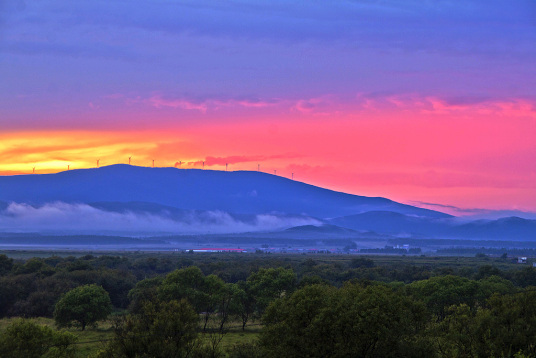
234, 335
89, 341
92, 339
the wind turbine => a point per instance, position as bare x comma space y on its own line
258, 167
226, 166
153, 163
275, 172
33, 170
292, 176
68, 167
98, 162
203, 165
129, 160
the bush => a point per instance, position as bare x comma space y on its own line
23, 338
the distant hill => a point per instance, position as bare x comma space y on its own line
392, 223
86, 240
321, 229
241, 192
510, 228
125, 200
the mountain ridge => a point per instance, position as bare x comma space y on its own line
244, 192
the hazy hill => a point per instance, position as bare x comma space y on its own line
511, 228
394, 223
243, 192
321, 229
140, 201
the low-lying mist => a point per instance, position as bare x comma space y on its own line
66, 218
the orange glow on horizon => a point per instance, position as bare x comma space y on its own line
456, 155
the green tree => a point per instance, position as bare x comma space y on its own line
493, 284
456, 335
203, 292
376, 321
439, 293
144, 291
508, 325
83, 306
161, 329
361, 262
35, 265
23, 338
295, 326
267, 284
6, 264
354, 321
243, 304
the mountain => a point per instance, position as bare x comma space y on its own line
129, 201
242, 192
510, 228
321, 229
392, 223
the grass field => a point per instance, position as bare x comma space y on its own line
91, 340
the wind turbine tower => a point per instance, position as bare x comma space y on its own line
98, 162
153, 163
33, 170
292, 176
258, 167
203, 165
226, 166
129, 160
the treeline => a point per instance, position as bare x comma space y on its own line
441, 317
339, 308
444, 316
31, 288
486, 250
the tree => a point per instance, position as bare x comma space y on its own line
161, 329
376, 321
508, 325
439, 293
354, 321
145, 290
243, 303
361, 262
456, 335
83, 306
6, 264
23, 338
295, 327
268, 284
203, 292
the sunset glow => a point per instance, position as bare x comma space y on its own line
433, 114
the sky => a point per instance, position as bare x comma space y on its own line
431, 103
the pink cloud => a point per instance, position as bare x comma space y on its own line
159, 102
204, 105
235, 159
319, 106
244, 103
510, 107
